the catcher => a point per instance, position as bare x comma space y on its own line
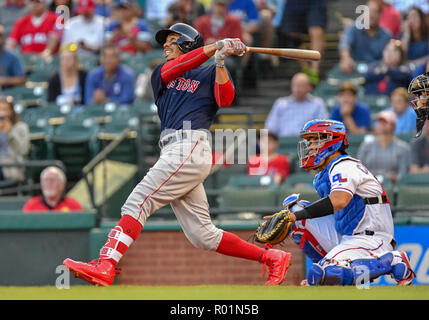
348, 233
419, 91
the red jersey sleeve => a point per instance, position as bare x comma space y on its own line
188, 61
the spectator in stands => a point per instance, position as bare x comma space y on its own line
14, 140
53, 182
86, 29
11, 70
289, 114
103, 8
386, 156
218, 25
390, 18
304, 17
35, 33
363, 45
175, 14
110, 82
355, 115
247, 12
193, 9
11, 11
406, 117
267, 11
415, 37
278, 164
129, 33
420, 152
67, 86
58, 5
404, 5
392, 72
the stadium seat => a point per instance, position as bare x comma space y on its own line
145, 107
299, 179
288, 145
39, 127
418, 179
26, 95
412, 197
243, 181
75, 143
8, 203
335, 73
155, 54
407, 137
376, 103
236, 199
126, 151
354, 140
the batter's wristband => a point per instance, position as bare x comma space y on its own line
319, 208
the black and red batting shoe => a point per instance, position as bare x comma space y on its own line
97, 272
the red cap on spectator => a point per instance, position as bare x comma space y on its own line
85, 6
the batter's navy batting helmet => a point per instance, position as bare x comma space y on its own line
190, 38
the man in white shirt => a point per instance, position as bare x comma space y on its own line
296, 109
86, 29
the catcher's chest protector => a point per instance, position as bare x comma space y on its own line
347, 219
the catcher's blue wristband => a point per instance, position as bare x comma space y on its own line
319, 208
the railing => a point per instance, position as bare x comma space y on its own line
20, 188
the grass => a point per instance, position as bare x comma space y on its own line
214, 292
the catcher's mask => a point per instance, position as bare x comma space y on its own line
321, 138
189, 39
419, 99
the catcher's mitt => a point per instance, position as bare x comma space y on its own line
275, 229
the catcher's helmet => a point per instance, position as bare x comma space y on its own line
419, 98
329, 136
190, 37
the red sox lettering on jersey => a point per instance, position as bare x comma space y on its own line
182, 84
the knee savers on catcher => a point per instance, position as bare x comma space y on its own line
307, 243
332, 272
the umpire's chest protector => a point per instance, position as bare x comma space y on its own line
347, 219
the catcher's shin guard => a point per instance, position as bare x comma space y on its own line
402, 271
330, 272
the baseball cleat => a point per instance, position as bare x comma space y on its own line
277, 262
410, 275
97, 272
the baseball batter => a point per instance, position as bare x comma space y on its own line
188, 94
348, 233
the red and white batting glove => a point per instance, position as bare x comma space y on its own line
228, 47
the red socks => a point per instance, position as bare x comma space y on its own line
120, 238
128, 229
232, 245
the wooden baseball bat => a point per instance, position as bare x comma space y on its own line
298, 54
